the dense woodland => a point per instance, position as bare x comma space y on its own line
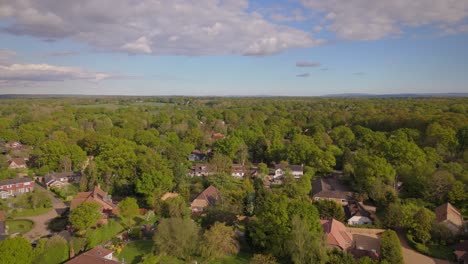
405, 156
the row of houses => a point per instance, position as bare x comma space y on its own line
277, 171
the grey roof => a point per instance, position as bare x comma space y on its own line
15, 181
53, 176
291, 167
330, 188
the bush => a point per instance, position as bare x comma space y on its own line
135, 233
390, 247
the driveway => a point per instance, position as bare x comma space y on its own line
41, 221
411, 256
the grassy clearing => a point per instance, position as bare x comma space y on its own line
134, 251
241, 258
21, 226
31, 212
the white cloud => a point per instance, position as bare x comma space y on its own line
376, 19
46, 72
157, 27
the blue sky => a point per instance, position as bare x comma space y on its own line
233, 47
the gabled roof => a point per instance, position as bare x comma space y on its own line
96, 195
208, 197
353, 208
330, 188
337, 234
94, 256
448, 212
18, 161
57, 175
15, 181
291, 167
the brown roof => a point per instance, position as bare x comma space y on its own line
96, 195
208, 197
330, 188
18, 161
93, 256
15, 181
448, 212
2, 216
169, 195
218, 136
337, 234
354, 208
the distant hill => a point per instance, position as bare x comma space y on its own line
403, 95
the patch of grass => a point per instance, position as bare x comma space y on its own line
103, 233
19, 226
134, 251
231, 260
31, 212
440, 251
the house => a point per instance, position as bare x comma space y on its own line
449, 216
17, 163
200, 170
331, 189
96, 255
16, 186
169, 195
357, 214
217, 136
461, 252
97, 195
237, 170
14, 145
58, 180
207, 198
336, 234
197, 155
280, 170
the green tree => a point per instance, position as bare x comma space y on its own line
390, 248
85, 215
176, 237
51, 251
16, 250
128, 208
219, 241
175, 207
153, 184
304, 245
423, 221
329, 209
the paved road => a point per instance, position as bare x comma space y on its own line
411, 256
41, 221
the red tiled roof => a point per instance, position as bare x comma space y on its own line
337, 234
208, 197
18, 161
93, 256
96, 195
448, 212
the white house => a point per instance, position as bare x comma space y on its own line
280, 170
357, 214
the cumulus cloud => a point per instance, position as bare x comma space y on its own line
175, 27
46, 72
372, 20
307, 64
303, 75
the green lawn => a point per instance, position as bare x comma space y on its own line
134, 251
440, 251
19, 226
31, 212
